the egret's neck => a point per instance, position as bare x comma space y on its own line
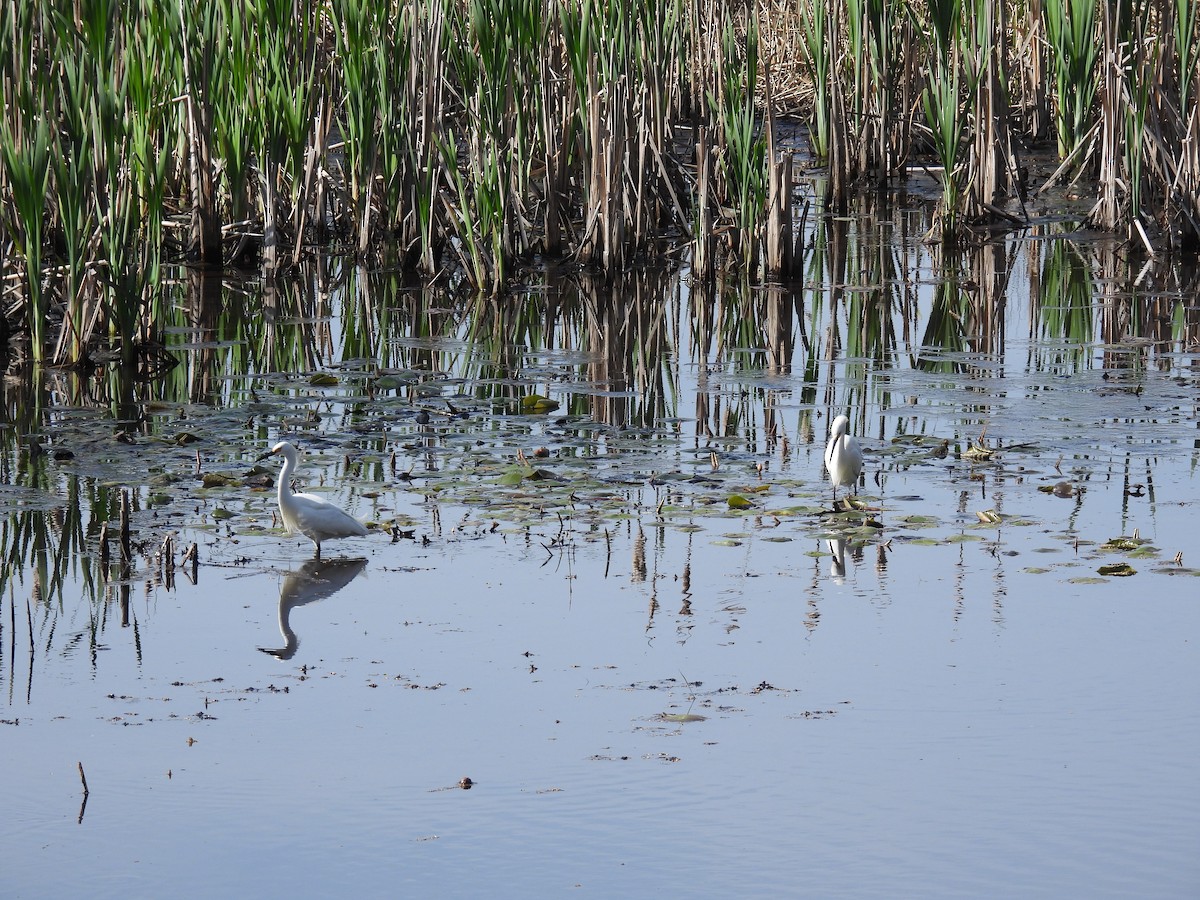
285, 475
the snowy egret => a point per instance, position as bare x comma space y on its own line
315, 518
843, 456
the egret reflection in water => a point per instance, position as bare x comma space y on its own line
315, 580
837, 565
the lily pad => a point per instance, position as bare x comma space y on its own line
1121, 544
536, 403
1121, 570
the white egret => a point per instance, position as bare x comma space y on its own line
843, 456
315, 518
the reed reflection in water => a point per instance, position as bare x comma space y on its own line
401, 386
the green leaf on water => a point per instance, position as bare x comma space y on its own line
919, 521
536, 403
1122, 544
737, 501
513, 476
323, 379
389, 382
1122, 570
221, 514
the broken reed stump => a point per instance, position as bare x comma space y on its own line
104, 550
126, 546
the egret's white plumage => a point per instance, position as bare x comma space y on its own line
843, 456
315, 518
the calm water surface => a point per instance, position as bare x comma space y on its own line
655, 694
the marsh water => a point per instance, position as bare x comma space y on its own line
608, 635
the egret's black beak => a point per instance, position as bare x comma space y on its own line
266, 455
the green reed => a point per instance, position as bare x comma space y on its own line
26, 149
360, 29
743, 145
815, 17
461, 139
286, 49
1071, 32
940, 100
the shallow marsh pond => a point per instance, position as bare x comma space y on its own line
614, 641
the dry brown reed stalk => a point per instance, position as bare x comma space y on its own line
779, 238
704, 241
1106, 213
780, 32
1029, 63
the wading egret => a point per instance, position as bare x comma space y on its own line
843, 456
315, 518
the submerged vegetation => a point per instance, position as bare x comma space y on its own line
463, 140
